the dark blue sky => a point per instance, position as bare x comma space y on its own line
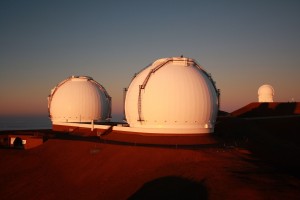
243, 44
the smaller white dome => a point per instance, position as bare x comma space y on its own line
265, 93
79, 99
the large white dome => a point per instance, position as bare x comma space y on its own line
172, 93
79, 99
265, 93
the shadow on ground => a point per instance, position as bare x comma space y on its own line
171, 187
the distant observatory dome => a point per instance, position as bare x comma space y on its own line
265, 93
79, 99
172, 94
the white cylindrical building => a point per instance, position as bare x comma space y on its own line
79, 99
174, 95
265, 93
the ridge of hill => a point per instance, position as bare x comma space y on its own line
257, 109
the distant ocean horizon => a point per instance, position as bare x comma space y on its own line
25, 122
32, 122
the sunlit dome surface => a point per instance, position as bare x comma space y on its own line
172, 93
265, 93
79, 99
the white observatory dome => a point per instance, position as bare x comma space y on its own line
79, 99
265, 93
172, 93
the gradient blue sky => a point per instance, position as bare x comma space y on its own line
243, 44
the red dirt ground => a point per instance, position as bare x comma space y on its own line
253, 159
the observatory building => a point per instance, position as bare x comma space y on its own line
171, 101
172, 96
79, 99
265, 93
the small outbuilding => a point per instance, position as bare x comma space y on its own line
18, 141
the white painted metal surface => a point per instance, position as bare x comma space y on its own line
265, 93
79, 99
172, 93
